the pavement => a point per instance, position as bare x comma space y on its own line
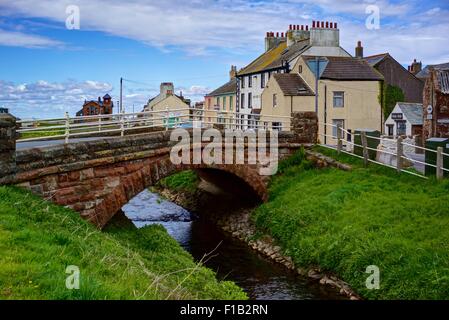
46, 143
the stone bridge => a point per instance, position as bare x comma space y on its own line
96, 178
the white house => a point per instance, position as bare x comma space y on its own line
406, 119
281, 54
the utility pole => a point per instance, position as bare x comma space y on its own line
121, 94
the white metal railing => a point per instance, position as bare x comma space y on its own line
70, 127
399, 154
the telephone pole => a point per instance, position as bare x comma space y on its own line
121, 95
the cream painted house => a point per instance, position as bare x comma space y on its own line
220, 103
348, 91
170, 109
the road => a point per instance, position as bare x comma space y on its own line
46, 143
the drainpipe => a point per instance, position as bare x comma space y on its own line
325, 113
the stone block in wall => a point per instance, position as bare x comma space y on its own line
7, 144
305, 126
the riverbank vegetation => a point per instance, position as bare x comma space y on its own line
38, 240
343, 222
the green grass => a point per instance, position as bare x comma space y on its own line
345, 221
183, 181
38, 240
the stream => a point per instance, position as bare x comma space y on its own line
233, 260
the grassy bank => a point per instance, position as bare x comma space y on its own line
345, 221
186, 181
39, 240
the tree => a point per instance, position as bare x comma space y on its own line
391, 95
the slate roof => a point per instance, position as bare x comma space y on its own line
275, 57
425, 73
292, 84
348, 68
375, 59
228, 88
442, 77
413, 112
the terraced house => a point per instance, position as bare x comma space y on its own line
348, 90
282, 51
220, 103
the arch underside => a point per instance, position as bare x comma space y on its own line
119, 183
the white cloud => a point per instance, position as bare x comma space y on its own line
49, 99
200, 27
19, 39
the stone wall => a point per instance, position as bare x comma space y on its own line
7, 144
305, 127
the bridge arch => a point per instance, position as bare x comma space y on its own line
121, 183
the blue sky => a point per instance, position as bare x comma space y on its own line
46, 69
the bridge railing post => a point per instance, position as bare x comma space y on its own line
122, 124
67, 127
399, 154
7, 145
439, 163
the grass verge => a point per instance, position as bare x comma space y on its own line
344, 222
38, 240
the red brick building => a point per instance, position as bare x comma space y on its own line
436, 104
95, 107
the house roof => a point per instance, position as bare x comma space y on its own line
228, 87
375, 59
425, 73
442, 77
292, 84
275, 57
413, 112
348, 68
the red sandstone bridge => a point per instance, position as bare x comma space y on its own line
97, 177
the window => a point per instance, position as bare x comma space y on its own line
250, 81
242, 100
339, 99
250, 99
231, 102
300, 68
217, 101
337, 123
224, 103
274, 100
401, 128
262, 80
277, 126
243, 82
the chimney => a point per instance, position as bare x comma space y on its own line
99, 99
272, 41
297, 34
233, 72
359, 50
321, 35
416, 67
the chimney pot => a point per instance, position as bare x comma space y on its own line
297, 27
335, 25
277, 34
307, 27
302, 27
282, 34
313, 24
327, 24
290, 27
322, 24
